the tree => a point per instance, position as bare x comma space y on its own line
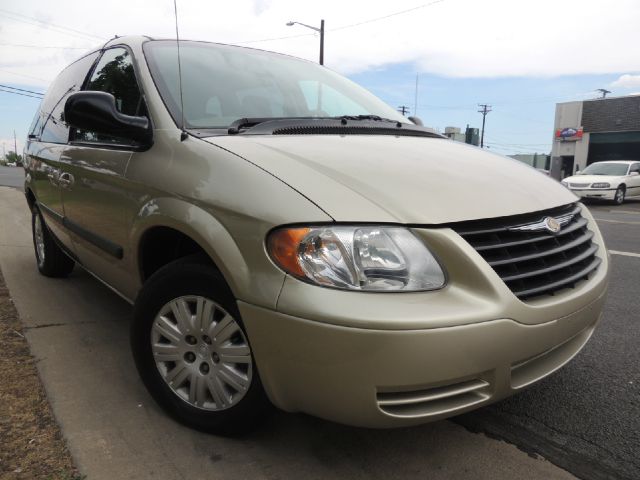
13, 157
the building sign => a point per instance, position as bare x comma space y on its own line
569, 134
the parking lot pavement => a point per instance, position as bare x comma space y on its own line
77, 330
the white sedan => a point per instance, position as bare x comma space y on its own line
610, 180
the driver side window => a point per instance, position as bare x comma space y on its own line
635, 168
115, 74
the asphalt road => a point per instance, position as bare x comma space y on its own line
586, 417
12, 176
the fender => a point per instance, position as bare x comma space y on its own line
260, 286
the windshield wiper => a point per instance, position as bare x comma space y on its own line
376, 118
241, 123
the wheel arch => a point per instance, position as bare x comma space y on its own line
175, 220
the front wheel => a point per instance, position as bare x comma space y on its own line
192, 351
618, 199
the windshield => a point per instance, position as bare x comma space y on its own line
222, 83
616, 169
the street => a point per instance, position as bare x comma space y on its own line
583, 418
12, 176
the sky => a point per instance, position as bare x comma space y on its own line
521, 57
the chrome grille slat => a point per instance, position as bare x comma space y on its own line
579, 224
496, 225
533, 262
561, 283
582, 256
584, 238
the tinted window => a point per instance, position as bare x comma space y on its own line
635, 168
115, 74
52, 107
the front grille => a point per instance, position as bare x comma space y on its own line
579, 185
534, 263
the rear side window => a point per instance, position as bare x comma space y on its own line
52, 108
635, 168
115, 74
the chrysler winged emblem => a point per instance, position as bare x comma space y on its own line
552, 224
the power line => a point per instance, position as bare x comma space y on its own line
278, 38
23, 75
21, 90
402, 12
21, 94
344, 27
42, 46
48, 25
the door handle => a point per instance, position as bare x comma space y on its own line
65, 180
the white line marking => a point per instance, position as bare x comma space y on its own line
616, 221
625, 254
637, 212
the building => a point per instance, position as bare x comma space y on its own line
536, 160
470, 136
594, 130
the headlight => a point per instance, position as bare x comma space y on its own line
369, 258
600, 185
565, 184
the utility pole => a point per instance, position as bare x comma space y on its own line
321, 42
483, 110
403, 109
603, 92
15, 144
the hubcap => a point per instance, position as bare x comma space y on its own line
201, 353
39, 236
619, 195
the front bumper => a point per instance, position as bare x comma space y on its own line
597, 193
396, 359
375, 378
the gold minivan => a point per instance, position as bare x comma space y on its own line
288, 239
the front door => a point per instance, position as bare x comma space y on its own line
98, 208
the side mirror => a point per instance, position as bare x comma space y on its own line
633, 174
97, 112
417, 121
578, 172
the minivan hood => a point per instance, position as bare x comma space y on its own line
413, 180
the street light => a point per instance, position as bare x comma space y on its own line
319, 30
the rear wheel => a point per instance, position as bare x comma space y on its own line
51, 260
192, 351
618, 198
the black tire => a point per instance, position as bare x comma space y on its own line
51, 259
192, 276
618, 198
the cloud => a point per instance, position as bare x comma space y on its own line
454, 38
627, 81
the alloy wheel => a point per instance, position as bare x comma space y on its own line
201, 353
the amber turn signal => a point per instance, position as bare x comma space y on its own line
283, 247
